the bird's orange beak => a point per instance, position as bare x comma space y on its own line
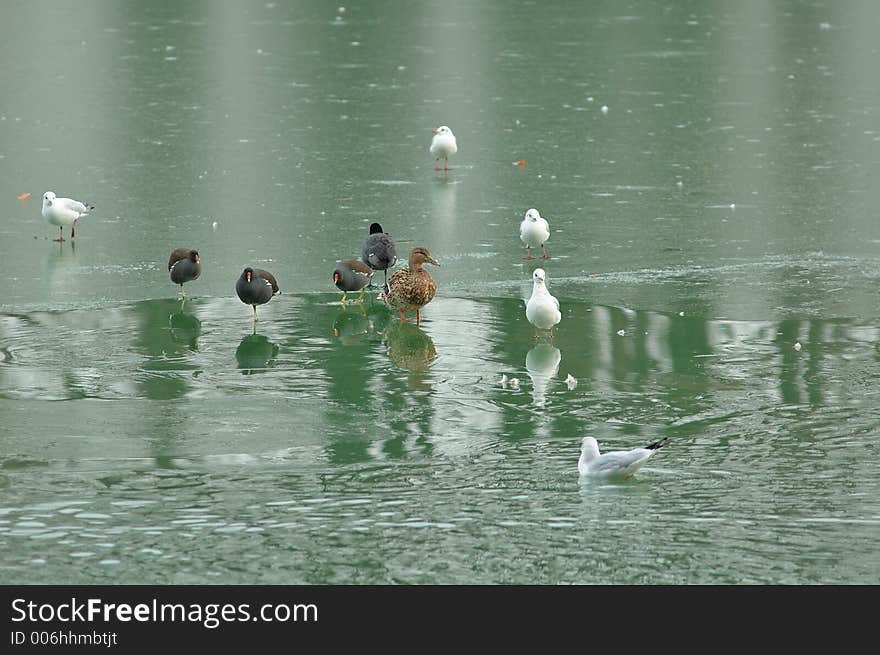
433, 131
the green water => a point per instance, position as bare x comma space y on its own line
714, 249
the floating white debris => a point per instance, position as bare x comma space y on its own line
214, 225
681, 313
679, 183
620, 333
570, 381
504, 380
824, 26
797, 345
733, 205
514, 383
604, 109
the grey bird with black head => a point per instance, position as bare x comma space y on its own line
256, 287
378, 251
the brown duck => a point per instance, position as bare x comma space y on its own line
411, 288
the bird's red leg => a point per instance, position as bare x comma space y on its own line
402, 317
544, 251
436, 165
418, 317
60, 234
528, 252
73, 229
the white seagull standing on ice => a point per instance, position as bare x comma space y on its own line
534, 231
443, 145
542, 309
63, 211
618, 463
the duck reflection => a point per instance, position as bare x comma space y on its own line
185, 329
255, 354
542, 365
411, 349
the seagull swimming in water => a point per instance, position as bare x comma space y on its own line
63, 211
618, 463
443, 146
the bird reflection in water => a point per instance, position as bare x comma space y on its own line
542, 365
411, 349
185, 329
352, 326
61, 264
255, 354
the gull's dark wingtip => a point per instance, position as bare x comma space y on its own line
658, 444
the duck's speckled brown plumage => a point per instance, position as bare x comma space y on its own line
410, 289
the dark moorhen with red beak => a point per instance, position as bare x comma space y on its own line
256, 287
184, 265
352, 275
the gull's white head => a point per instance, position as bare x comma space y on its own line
539, 276
532, 215
442, 131
589, 452
48, 197
589, 448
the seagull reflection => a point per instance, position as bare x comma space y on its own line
542, 365
61, 264
411, 349
255, 354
